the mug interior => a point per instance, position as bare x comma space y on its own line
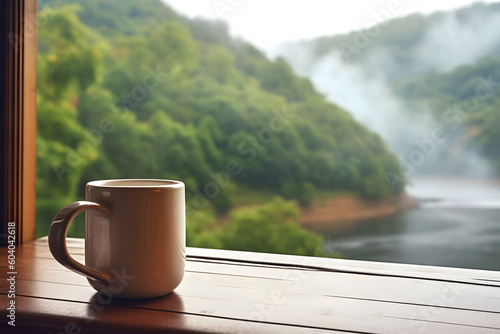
136, 183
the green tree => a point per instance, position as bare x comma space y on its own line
272, 228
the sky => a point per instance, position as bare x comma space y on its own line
266, 23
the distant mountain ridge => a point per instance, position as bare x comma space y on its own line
457, 37
401, 82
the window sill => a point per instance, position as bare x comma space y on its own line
229, 291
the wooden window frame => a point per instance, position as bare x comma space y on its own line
18, 53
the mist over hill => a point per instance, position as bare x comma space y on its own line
404, 78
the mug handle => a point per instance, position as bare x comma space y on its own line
57, 240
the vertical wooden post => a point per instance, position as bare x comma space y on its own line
18, 117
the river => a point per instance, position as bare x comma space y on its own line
457, 224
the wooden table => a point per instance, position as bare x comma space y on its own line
243, 292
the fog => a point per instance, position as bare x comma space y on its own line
451, 42
365, 88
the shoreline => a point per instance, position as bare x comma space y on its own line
346, 213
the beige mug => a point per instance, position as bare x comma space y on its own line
135, 236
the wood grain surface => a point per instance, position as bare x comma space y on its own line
243, 292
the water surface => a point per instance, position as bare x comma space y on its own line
456, 225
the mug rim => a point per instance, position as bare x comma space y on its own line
140, 183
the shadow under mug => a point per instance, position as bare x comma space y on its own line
135, 236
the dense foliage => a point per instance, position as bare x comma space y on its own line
134, 90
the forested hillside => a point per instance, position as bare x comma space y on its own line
467, 101
401, 48
409, 77
130, 89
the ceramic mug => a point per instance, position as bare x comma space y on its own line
134, 236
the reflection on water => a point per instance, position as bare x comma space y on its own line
456, 225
